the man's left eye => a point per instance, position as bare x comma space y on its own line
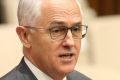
76, 29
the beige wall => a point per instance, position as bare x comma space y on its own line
10, 48
104, 42
104, 37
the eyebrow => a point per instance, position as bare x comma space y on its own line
57, 23
63, 23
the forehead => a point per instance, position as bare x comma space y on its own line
63, 6
61, 3
60, 10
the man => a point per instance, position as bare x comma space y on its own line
51, 33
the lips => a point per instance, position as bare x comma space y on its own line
66, 55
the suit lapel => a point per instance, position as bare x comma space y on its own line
77, 76
25, 71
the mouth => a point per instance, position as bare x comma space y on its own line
66, 57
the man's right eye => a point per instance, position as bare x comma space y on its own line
55, 30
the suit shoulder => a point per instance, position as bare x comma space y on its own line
21, 72
12, 75
78, 76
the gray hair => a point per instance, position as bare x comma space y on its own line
28, 10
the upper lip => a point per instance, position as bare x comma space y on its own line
66, 54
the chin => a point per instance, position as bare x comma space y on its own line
67, 69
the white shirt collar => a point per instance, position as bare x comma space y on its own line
37, 72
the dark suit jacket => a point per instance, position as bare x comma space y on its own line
22, 72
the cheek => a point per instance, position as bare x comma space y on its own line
78, 46
45, 52
47, 48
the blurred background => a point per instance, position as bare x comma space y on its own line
100, 54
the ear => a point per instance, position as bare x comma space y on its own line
23, 34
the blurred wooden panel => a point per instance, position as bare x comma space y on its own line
105, 7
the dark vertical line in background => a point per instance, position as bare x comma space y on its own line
117, 6
2, 12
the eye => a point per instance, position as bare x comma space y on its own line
76, 29
55, 30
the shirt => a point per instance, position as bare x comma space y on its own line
37, 72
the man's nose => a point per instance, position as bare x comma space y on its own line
69, 41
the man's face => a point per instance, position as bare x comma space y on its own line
56, 56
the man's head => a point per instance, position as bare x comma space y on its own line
41, 31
